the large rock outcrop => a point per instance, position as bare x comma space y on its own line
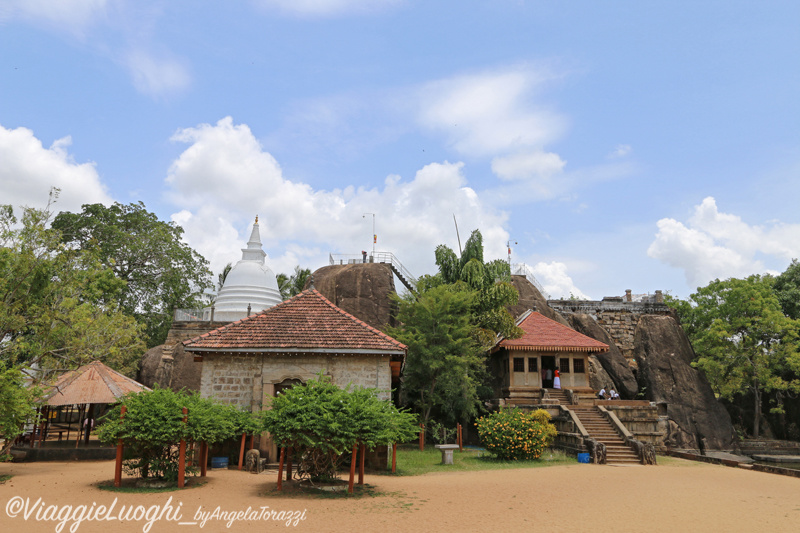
173, 369
531, 298
361, 289
613, 362
696, 420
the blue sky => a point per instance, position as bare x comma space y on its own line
623, 145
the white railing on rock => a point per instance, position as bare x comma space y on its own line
377, 257
521, 269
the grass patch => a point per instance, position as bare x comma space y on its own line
4, 478
412, 462
129, 486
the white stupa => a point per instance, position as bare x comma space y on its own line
250, 283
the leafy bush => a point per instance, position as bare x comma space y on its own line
512, 434
322, 422
153, 427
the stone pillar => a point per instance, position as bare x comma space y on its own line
659, 297
628, 297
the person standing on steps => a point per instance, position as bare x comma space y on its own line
557, 380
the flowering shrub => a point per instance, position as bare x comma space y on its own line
513, 434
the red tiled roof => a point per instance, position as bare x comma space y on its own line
543, 334
91, 383
307, 322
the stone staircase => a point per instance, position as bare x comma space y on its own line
600, 429
560, 395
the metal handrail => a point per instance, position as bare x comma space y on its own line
521, 269
373, 257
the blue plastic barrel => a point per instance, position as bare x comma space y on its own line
583, 457
221, 462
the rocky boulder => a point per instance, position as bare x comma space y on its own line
361, 289
531, 298
613, 362
696, 420
172, 368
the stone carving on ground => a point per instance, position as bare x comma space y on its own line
597, 450
645, 451
252, 461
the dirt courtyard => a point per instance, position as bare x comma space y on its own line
675, 496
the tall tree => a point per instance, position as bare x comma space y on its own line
293, 285
490, 281
160, 271
744, 342
58, 306
445, 361
787, 288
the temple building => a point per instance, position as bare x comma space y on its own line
525, 367
250, 361
250, 286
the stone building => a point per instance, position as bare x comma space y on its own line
248, 362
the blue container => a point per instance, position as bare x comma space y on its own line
583, 457
221, 462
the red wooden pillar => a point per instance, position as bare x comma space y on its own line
280, 469
182, 455
421, 437
203, 459
363, 453
252, 440
118, 465
394, 457
241, 451
289, 464
353, 460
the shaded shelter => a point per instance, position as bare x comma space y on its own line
90, 385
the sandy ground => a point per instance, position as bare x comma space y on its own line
675, 497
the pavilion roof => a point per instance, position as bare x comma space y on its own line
546, 335
309, 322
91, 383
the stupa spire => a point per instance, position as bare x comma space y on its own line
254, 252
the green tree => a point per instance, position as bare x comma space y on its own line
58, 306
491, 283
512, 434
321, 422
293, 285
744, 342
17, 406
787, 288
153, 426
445, 362
160, 271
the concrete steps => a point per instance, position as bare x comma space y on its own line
600, 429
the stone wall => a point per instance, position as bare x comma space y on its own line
643, 421
618, 316
249, 380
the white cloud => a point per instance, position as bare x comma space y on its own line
156, 76
720, 245
555, 280
526, 165
69, 15
29, 170
620, 151
225, 175
490, 113
326, 7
